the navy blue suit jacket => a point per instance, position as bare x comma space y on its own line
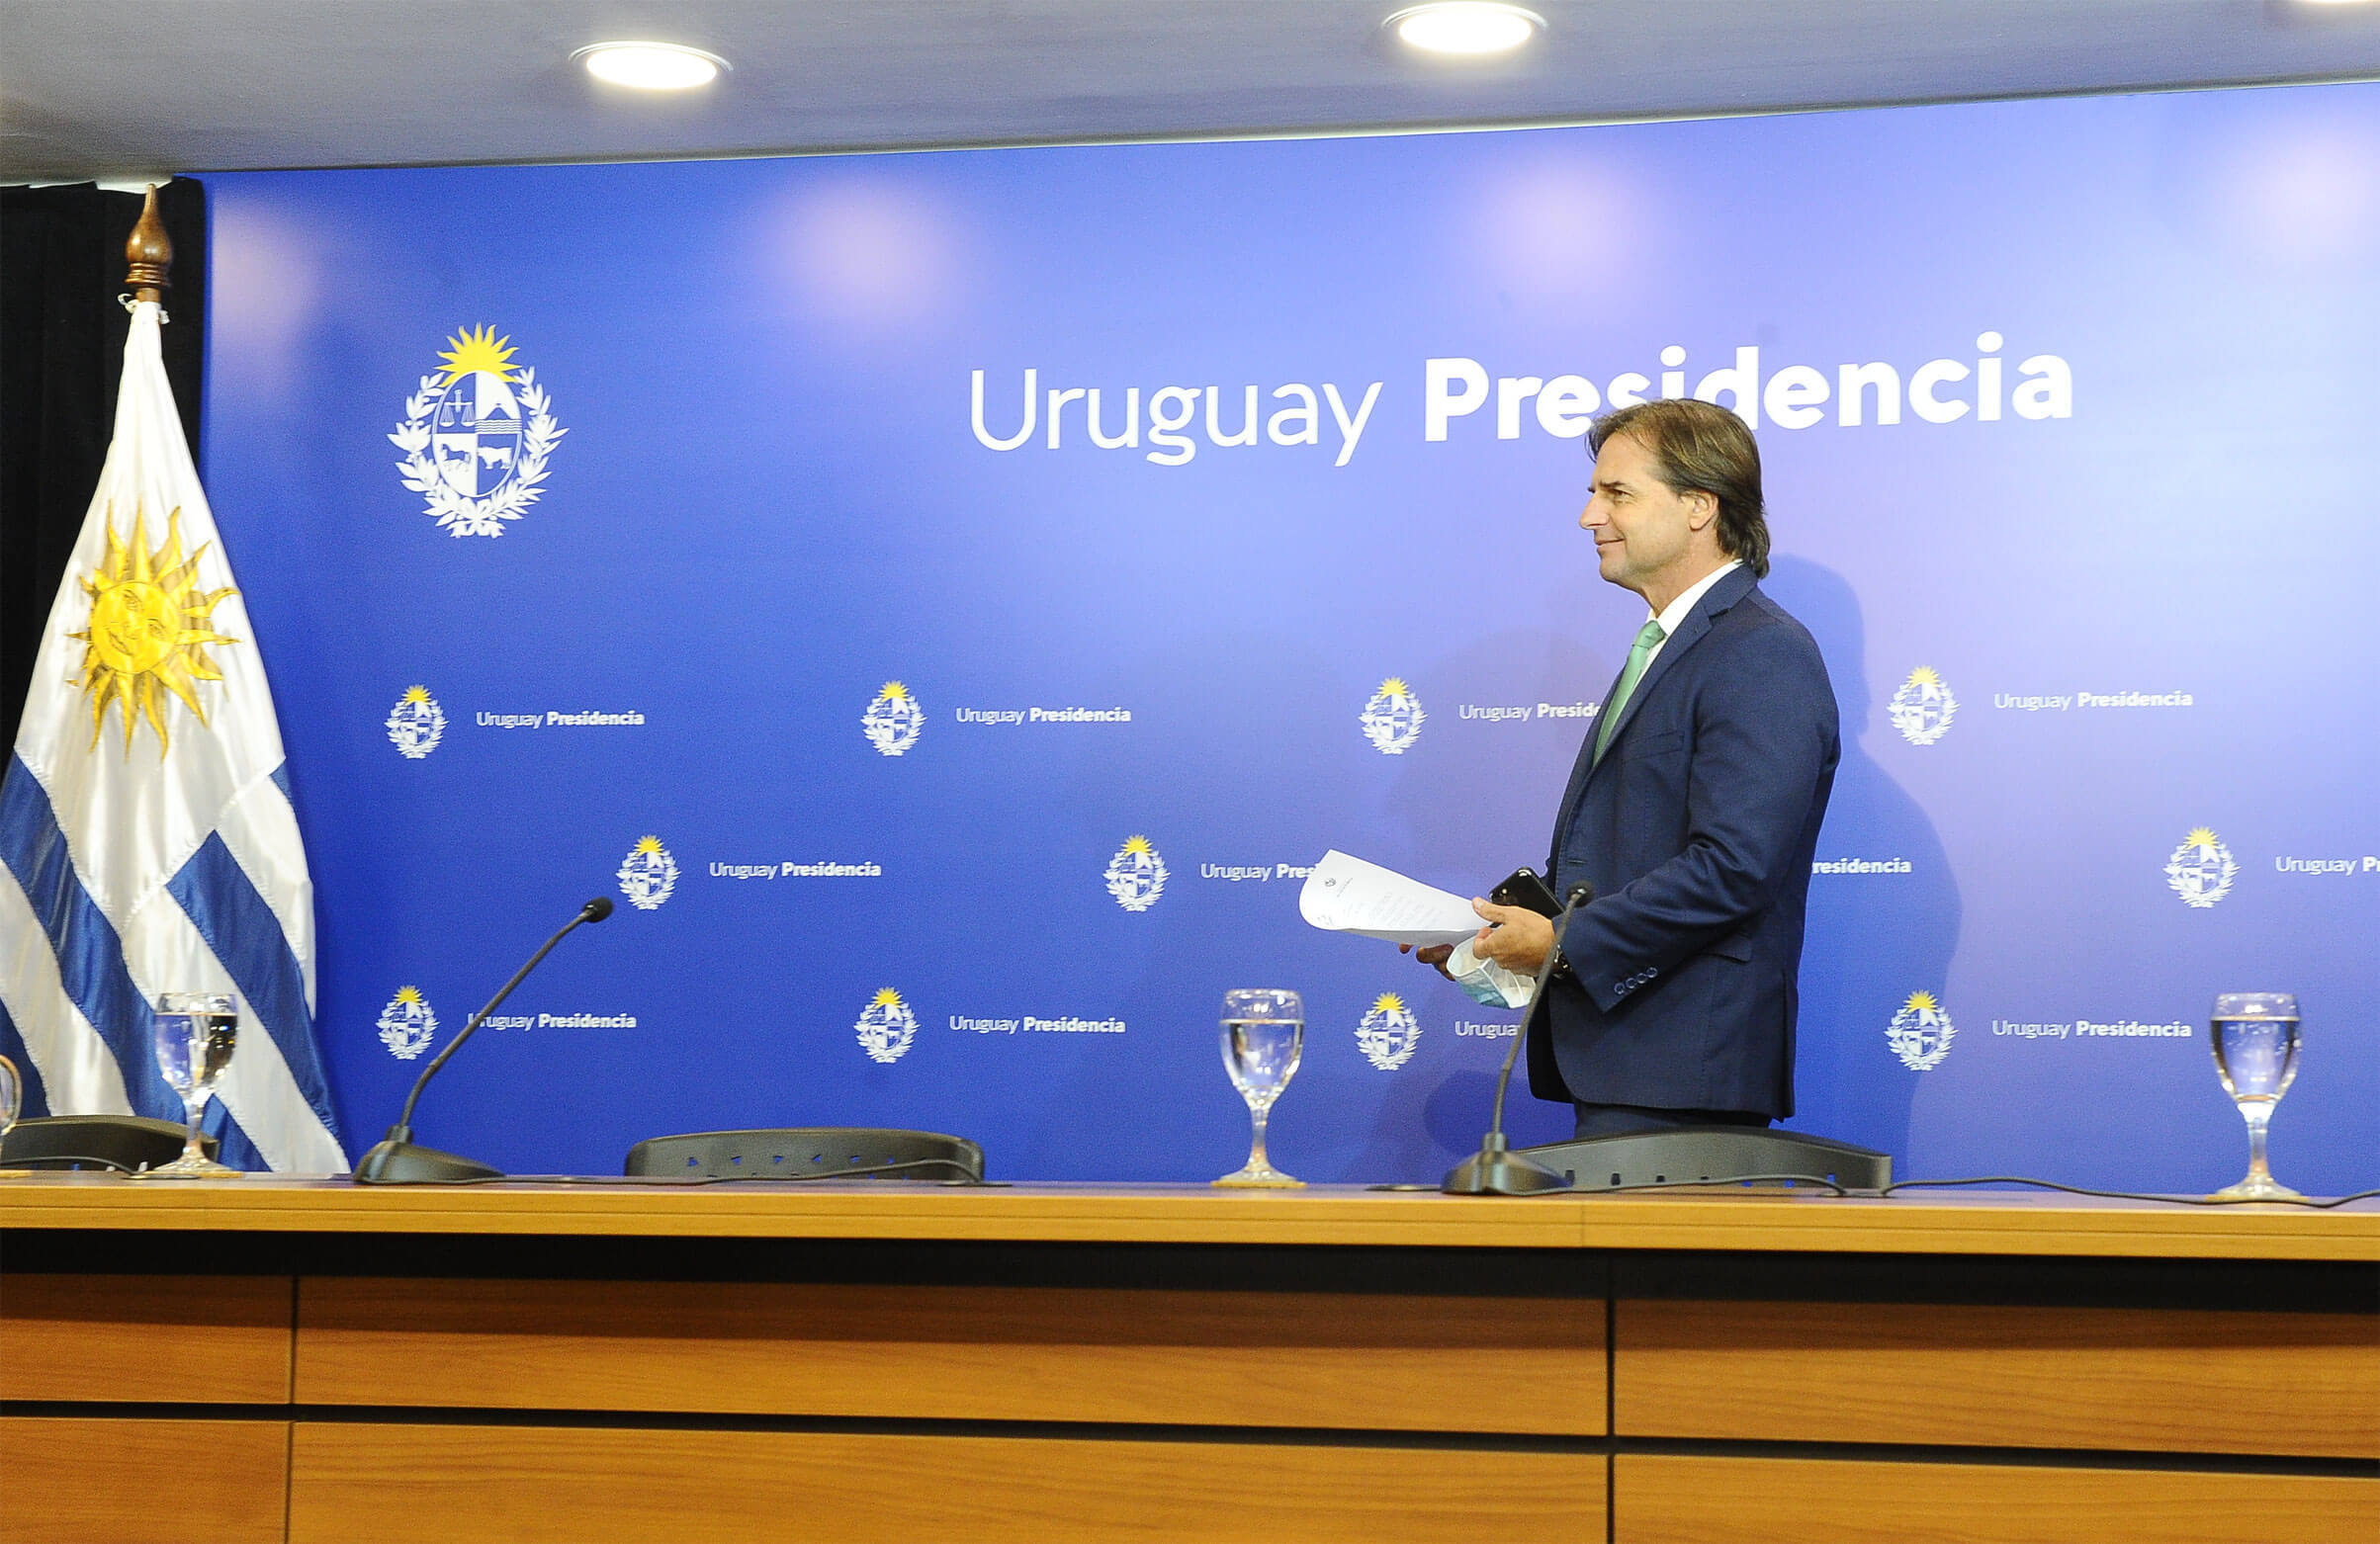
1696, 829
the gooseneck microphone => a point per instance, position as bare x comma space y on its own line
396, 1160
1495, 1170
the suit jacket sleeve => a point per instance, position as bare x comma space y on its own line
1764, 736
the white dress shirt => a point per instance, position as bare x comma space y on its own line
1673, 615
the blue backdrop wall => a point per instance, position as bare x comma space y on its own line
946, 598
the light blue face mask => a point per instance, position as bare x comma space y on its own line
1489, 984
1483, 992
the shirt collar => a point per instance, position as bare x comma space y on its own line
1673, 615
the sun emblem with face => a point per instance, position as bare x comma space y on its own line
149, 631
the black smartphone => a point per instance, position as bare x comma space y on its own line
1522, 887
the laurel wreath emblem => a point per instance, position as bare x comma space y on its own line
456, 513
1389, 1034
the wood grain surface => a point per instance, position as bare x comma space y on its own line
546, 1485
979, 1354
2162, 1380
1971, 1222
141, 1482
1772, 1500
148, 1339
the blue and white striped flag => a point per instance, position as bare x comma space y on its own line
146, 839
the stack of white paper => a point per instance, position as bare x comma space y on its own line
1346, 895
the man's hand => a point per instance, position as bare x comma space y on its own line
1516, 938
1435, 956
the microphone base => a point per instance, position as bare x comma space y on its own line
1495, 1170
403, 1163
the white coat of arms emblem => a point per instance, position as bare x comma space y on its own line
887, 1028
407, 1024
2202, 869
1389, 1034
476, 436
1923, 707
1393, 719
417, 723
1136, 875
1921, 1033
893, 719
649, 874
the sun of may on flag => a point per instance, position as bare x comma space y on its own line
147, 842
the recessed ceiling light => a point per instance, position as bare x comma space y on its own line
1465, 26
651, 67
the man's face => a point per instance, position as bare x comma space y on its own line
1645, 531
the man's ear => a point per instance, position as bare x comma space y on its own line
1705, 509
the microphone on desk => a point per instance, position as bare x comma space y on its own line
396, 1160
1495, 1170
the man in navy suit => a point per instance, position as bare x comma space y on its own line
1693, 807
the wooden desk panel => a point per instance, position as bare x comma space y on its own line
983, 1353
547, 1485
1976, 1223
143, 1482
155, 1339
1661, 1500
1262, 1321
2162, 1380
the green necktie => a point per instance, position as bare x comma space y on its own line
1647, 641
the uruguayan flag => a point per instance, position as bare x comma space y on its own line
146, 840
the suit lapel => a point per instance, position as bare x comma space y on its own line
1715, 600
1580, 768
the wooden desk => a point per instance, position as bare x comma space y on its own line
1051, 1362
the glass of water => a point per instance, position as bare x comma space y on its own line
1264, 1036
12, 1104
195, 1031
2255, 1055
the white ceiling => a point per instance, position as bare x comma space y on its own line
121, 88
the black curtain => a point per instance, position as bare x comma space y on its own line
61, 352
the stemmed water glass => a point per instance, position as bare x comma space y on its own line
2255, 1055
12, 1104
1264, 1036
195, 1031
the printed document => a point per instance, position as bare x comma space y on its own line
1346, 895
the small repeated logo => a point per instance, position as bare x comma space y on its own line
1389, 1033
893, 719
1921, 1033
1392, 720
1923, 707
476, 436
2202, 869
417, 723
887, 1028
1136, 875
648, 874
407, 1024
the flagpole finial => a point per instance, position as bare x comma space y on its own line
148, 253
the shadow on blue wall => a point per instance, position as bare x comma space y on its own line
1873, 938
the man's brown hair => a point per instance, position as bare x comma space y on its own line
1700, 447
